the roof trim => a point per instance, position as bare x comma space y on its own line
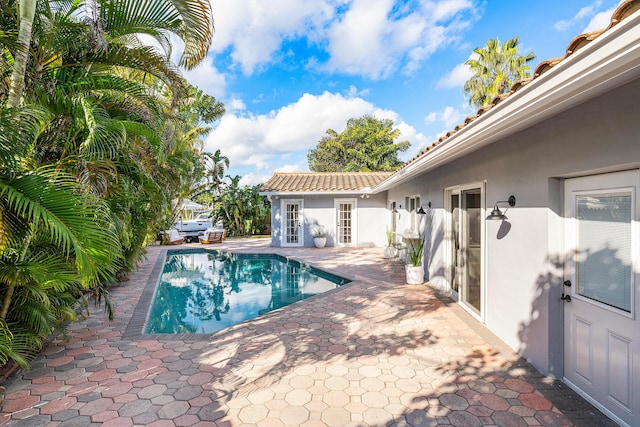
595, 63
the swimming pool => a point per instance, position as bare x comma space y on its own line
205, 291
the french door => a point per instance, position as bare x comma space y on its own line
292, 232
466, 228
345, 222
601, 327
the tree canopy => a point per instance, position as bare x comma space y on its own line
496, 67
366, 145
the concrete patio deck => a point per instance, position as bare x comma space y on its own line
375, 352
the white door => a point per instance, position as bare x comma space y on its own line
292, 234
345, 222
602, 332
466, 241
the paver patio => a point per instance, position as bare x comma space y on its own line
375, 352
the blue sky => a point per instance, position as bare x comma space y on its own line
288, 70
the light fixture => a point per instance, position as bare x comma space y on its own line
421, 211
496, 214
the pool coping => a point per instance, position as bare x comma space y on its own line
137, 323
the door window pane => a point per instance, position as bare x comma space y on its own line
345, 222
455, 242
292, 223
471, 215
603, 258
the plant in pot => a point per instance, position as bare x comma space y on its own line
389, 251
414, 270
319, 237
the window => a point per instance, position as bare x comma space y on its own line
413, 204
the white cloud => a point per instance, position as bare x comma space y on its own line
362, 37
254, 30
600, 21
449, 117
288, 168
255, 140
374, 36
456, 78
235, 104
252, 179
583, 13
597, 20
207, 77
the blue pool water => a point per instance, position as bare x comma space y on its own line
205, 291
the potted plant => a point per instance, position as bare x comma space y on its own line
414, 270
389, 250
319, 237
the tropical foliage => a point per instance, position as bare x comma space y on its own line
98, 134
366, 145
243, 210
495, 67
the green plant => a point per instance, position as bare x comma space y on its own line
319, 233
389, 237
415, 251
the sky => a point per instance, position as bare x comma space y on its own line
289, 70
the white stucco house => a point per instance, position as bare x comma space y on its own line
557, 277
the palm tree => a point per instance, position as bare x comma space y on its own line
496, 67
85, 148
216, 167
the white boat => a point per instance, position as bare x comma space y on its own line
200, 223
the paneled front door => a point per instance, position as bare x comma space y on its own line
602, 331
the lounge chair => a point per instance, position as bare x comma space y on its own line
173, 237
211, 236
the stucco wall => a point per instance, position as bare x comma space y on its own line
319, 211
524, 256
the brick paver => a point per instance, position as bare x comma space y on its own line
375, 352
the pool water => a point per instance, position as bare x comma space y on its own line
206, 291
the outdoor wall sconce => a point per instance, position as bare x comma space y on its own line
363, 196
496, 214
421, 211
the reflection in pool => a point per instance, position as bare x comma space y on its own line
205, 291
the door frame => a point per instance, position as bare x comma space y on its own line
283, 222
354, 221
448, 192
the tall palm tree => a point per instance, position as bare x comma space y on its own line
217, 164
496, 67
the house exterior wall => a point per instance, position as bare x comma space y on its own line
524, 258
319, 211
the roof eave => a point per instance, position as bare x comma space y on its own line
315, 193
609, 61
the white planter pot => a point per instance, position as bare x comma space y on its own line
415, 274
320, 242
388, 252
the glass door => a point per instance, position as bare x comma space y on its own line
471, 243
345, 224
292, 223
465, 271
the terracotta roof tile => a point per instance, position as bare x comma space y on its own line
625, 9
300, 182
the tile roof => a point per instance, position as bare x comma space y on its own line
624, 10
323, 181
